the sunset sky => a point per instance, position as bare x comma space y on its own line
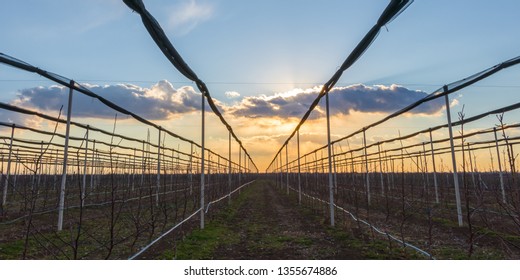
263, 62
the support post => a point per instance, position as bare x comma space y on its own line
92, 168
133, 171
84, 183
335, 170
144, 166
8, 171
381, 170
229, 167
453, 160
367, 179
39, 169
239, 166
275, 168
435, 183
331, 184
281, 171
65, 157
158, 185
202, 162
299, 169
501, 176
426, 182
191, 170
287, 166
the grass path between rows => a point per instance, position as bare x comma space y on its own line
265, 223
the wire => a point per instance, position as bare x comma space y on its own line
392, 10
164, 44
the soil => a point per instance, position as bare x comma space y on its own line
271, 225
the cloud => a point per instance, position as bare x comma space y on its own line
188, 15
163, 102
232, 94
159, 102
343, 100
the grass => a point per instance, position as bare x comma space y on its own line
11, 250
371, 248
201, 244
46, 243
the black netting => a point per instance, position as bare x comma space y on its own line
167, 48
391, 11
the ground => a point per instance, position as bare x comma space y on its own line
265, 223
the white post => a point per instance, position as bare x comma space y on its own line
381, 169
8, 171
208, 178
275, 168
39, 169
65, 156
307, 171
335, 169
202, 164
177, 167
434, 170
453, 160
92, 168
143, 167
191, 170
133, 171
366, 166
388, 173
84, 183
299, 169
331, 184
229, 167
55, 169
239, 166
500, 167
281, 170
16, 170
158, 185
246, 170
287, 166
2, 168
425, 167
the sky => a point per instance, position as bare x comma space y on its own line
263, 62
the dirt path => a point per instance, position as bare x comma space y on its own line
266, 224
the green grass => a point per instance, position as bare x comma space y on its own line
11, 250
201, 244
372, 248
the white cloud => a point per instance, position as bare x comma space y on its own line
162, 101
232, 94
159, 102
343, 100
186, 16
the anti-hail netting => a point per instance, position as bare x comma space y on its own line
126, 193
121, 192
403, 188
